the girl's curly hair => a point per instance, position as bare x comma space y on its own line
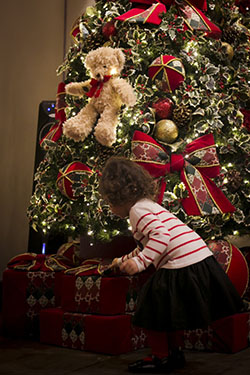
123, 181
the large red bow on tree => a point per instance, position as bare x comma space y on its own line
150, 14
197, 165
190, 10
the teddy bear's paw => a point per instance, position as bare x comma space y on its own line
128, 100
131, 101
105, 136
75, 88
76, 136
73, 129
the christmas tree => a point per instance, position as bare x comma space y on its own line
188, 63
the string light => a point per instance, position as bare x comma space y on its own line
113, 71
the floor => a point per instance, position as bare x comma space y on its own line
32, 358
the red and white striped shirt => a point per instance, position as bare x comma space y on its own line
166, 241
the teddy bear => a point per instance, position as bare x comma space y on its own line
107, 93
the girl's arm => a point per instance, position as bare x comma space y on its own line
125, 257
148, 224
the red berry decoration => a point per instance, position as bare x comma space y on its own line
109, 29
163, 108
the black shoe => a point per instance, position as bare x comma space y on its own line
146, 366
156, 365
177, 359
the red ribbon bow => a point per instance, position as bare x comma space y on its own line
197, 166
97, 86
56, 130
151, 15
202, 4
39, 262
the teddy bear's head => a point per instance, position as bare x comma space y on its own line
105, 61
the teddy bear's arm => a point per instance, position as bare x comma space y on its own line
77, 88
125, 91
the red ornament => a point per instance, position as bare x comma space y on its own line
109, 29
167, 72
233, 263
163, 108
73, 179
246, 121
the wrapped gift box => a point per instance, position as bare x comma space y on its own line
97, 294
90, 332
25, 293
226, 335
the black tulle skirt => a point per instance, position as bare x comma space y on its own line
186, 298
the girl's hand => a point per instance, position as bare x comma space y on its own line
129, 266
114, 263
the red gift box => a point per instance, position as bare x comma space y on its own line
25, 293
90, 332
96, 294
226, 335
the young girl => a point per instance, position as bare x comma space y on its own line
189, 289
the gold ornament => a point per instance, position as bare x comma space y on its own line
228, 49
166, 131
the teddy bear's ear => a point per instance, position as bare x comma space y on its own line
120, 56
89, 59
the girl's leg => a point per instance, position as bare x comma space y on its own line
158, 342
176, 357
175, 340
166, 354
